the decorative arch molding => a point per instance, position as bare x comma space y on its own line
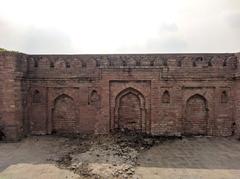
58, 95
197, 95
206, 94
62, 95
139, 96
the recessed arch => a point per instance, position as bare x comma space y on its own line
63, 114
224, 97
94, 98
129, 111
166, 97
196, 116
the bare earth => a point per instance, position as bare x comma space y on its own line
43, 157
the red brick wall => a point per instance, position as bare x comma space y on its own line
42, 94
11, 95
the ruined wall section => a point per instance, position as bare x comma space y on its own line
178, 76
210, 76
57, 82
12, 70
160, 84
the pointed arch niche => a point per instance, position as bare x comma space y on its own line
64, 115
196, 116
129, 111
166, 97
224, 97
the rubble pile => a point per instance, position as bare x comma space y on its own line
105, 156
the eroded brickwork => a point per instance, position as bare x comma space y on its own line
158, 94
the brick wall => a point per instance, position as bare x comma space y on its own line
159, 94
11, 105
236, 97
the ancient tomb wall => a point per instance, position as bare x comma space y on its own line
161, 87
159, 94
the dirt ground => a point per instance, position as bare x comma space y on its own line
120, 156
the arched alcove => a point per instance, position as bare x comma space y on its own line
130, 111
166, 97
224, 97
196, 116
63, 115
94, 98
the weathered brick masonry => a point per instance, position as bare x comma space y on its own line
158, 94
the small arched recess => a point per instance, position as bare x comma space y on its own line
166, 97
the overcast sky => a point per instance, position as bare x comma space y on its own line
120, 26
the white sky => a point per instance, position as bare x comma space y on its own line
120, 26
